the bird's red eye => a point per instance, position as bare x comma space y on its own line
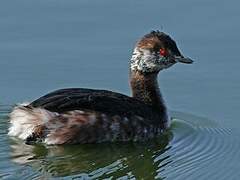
163, 52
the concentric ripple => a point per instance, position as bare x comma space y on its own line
202, 150
194, 148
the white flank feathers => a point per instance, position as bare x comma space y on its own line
23, 120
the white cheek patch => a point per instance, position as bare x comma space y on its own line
134, 61
146, 61
143, 60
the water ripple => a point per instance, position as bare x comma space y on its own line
194, 148
200, 151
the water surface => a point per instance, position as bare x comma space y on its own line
190, 149
51, 44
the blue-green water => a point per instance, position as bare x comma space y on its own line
51, 44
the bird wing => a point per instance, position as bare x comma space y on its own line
102, 101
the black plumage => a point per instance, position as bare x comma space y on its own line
103, 101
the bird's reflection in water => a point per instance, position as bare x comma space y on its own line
145, 159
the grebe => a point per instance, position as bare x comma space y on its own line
78, 115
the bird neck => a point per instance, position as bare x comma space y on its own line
145, 88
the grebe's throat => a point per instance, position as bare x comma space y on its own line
145, 88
